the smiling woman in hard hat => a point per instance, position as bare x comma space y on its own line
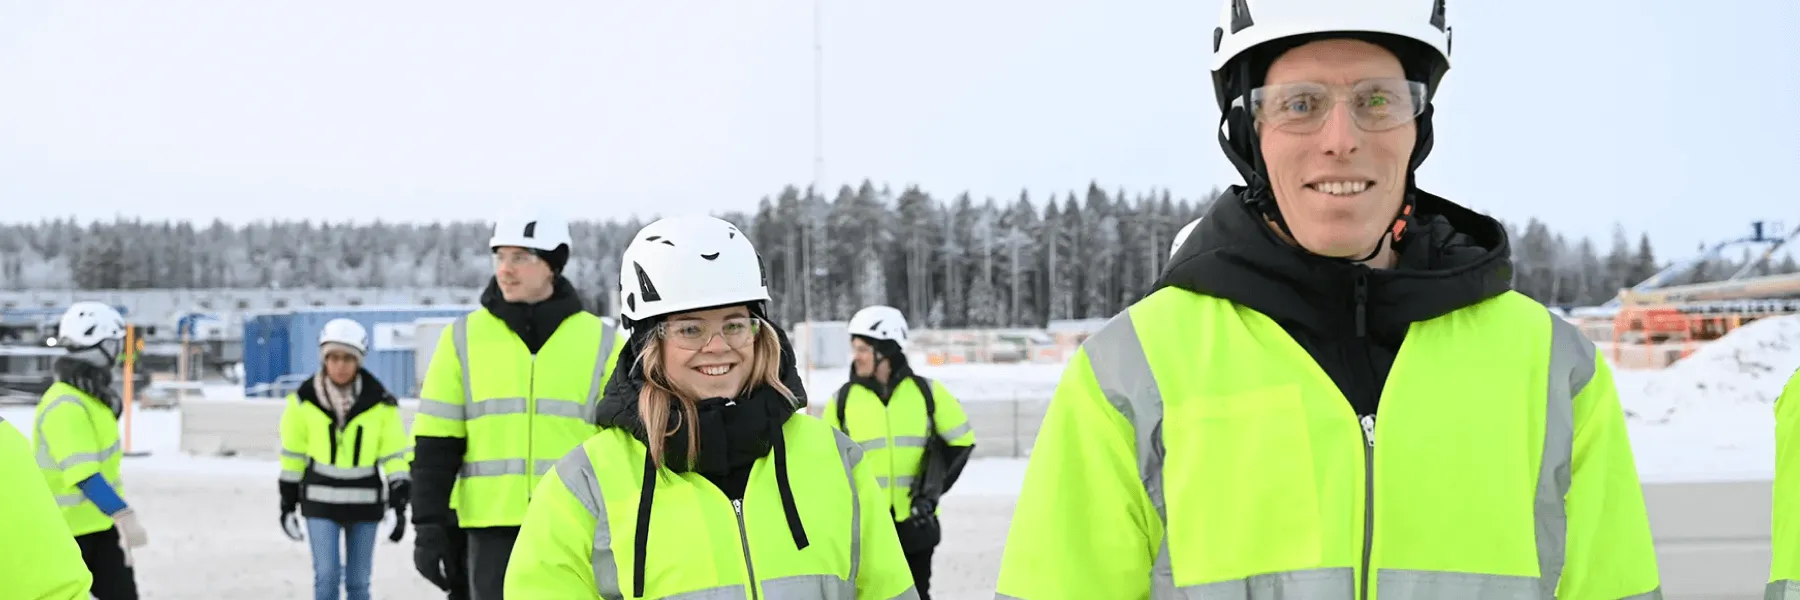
340, 435
705, 481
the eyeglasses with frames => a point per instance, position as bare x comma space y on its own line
1302, 107
693, 334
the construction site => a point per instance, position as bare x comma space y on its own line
1656, 323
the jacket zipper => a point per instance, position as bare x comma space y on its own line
1368, 427
744, 538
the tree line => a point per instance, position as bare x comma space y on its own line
946, 262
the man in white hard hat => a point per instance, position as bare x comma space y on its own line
510, 390
912, 429
76, 435
1220, 439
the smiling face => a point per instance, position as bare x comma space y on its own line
1339, 187
709, 353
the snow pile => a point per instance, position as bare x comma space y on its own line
1711, 416
1749, 366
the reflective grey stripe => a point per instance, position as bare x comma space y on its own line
959, 431
577, 474
459, 337
1571, 368
400, 476
852, 455
81, 458
472, 409
608, 336
70, 500
888, 482
550, 407
286, 453
335, 472
809, 587
542, 466
1785, 589
494, 406
338, 495
395, 456
44, 460
576, 471
493, 468
441, 409
1123, 374
290, 476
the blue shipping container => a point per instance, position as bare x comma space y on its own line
394, 367
265, 350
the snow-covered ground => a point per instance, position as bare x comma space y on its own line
214, 530
1712, 415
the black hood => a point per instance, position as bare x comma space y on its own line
533, 322
1451, 258
733, 433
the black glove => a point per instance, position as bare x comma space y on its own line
922, 506
399, 493
431, 554
290, 496
399, 524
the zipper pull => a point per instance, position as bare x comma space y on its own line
738, 506
1368, 425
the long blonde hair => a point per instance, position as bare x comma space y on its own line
654, 398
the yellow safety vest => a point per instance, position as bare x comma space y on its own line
76, 436
1194, 450
520, 413
341, 471
579, 536
38, 558
1784, 567
893, 435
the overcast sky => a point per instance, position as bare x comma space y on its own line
1654, 113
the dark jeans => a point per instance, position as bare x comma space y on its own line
113, 579
489, 549
920, 561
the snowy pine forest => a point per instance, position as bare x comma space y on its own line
952, 262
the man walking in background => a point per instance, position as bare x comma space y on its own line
914, 432
510, 390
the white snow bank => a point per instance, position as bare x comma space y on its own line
1711, 416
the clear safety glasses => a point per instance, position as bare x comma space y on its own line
516, 259
1303, 107
692, 334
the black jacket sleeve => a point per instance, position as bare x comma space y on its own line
956, 459
436, 460
290, 496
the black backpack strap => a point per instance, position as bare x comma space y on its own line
924, 386
843, 394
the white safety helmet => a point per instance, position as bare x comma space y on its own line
533, 230
90, 324
880, 323
1246, 24
686, 263
347, 332
1182, 236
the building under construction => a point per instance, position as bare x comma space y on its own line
1653, 324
